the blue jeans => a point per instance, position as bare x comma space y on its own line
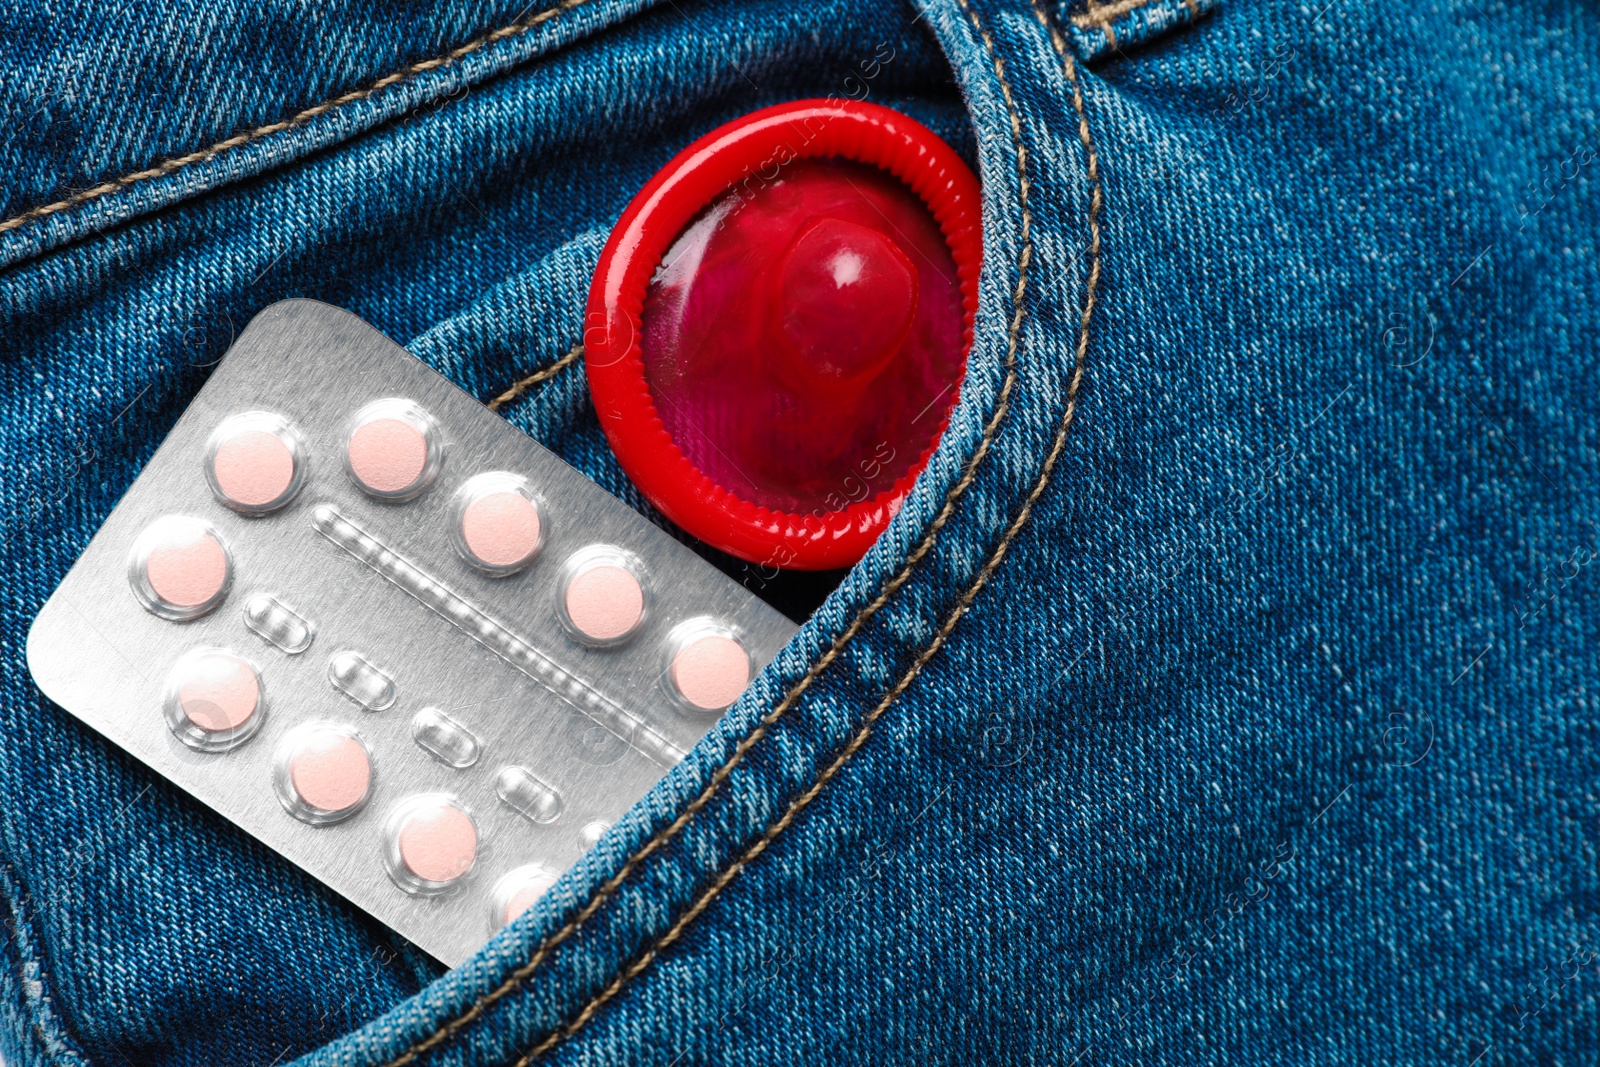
1225, 693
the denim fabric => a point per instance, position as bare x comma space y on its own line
1096, 27
1233, 702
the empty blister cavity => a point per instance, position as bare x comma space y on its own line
601, 596
322, 772
255, 462
180, 568
556, 669
592, 831
444, 739
527, 795
277, 624
354, 675
213, 699
707, 665
503, 642
394, 449
498, 525
520, 889
432, 843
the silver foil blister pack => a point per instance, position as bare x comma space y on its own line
390, 636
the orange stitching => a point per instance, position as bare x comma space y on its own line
161, 170
1101, 17
714, 783
535, 378
517, 977
1096, 201
990, 566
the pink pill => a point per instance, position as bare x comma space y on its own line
526, 894
253, 468
501, 529
438, 842
330, 772
388, 455
711, 671
604, 602
219, 692
188, 568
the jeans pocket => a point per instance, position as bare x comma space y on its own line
465, 224
705, 915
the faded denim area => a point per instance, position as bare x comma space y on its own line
1232, 701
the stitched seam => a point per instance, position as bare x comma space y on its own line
714, 783
48, 1023
170, 166
535, 378
798, 804
1099, 17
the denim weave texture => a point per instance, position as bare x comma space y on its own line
1225, 692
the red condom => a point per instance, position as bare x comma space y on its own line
779, 325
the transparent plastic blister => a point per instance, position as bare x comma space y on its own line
434, 710
394, 450
523, 791
255, 462
357, 678
180, 568
278, 624
498, 524
706, 665
603, 596
214, 699
322, 772
432, 843
445, 739
519, 889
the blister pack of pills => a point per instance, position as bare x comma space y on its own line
393, 638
